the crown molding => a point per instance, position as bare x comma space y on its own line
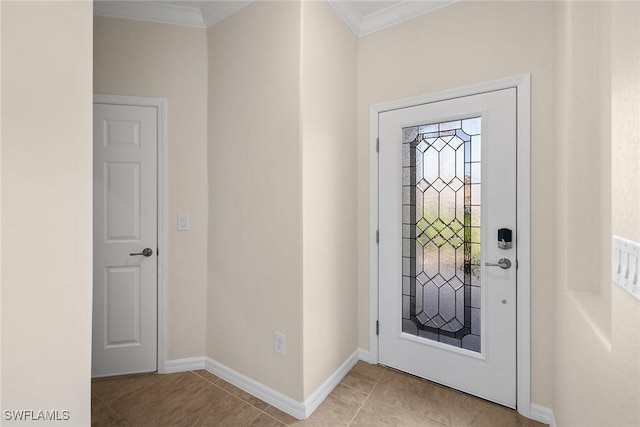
387, 17
167, 13
398, 13
214, 12
160, 12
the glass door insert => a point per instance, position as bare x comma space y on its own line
441, 215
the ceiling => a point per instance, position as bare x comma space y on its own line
362, 16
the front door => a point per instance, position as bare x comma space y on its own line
124, 240
447, 252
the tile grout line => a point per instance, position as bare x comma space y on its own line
233, 395
378, 382
268, 415
448, 424
356, 389
200, 376
262, 411
254, 418
398, 406
367, 398
116, 378
166, 411
239, 398
405, 374
358, 411
120, 417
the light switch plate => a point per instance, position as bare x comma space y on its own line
626, 265
183, 222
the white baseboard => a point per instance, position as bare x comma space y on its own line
542, 414
261, 391
299, 410
182, 365
302, 410
365, 356
321, 393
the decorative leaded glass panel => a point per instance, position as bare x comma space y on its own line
441, 235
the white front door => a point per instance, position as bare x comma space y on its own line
447, 183
124, 240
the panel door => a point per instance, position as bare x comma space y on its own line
447, 277
125, 224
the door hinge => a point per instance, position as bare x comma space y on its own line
377, 145
377, 327
377, 236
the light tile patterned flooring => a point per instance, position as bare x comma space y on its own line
370, 395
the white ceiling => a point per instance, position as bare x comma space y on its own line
362, 16
197, 4
368, 7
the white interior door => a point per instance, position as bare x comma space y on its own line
447, 186
125, 240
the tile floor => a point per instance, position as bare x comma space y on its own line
370, 395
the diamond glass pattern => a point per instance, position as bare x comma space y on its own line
441, 233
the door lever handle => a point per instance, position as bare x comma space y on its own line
145, 252
503, 263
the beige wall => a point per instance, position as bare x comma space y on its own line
46, 208
625, 117
461, 44
1, 406
329, 195
169, 61
597, 371
255, 194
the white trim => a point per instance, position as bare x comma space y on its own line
183, 365
293, 407
362, 25
523, 85
160, 12
365, 356
299, 410
163, 209
542, 414
215, 11
523, 314
321, 393
397, 14
167, 13
374, 224
254, 388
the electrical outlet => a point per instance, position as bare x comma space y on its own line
279, 342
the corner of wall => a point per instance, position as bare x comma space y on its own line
254, 236
598, 81
329, 193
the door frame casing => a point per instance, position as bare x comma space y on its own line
522, 83
160, 104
